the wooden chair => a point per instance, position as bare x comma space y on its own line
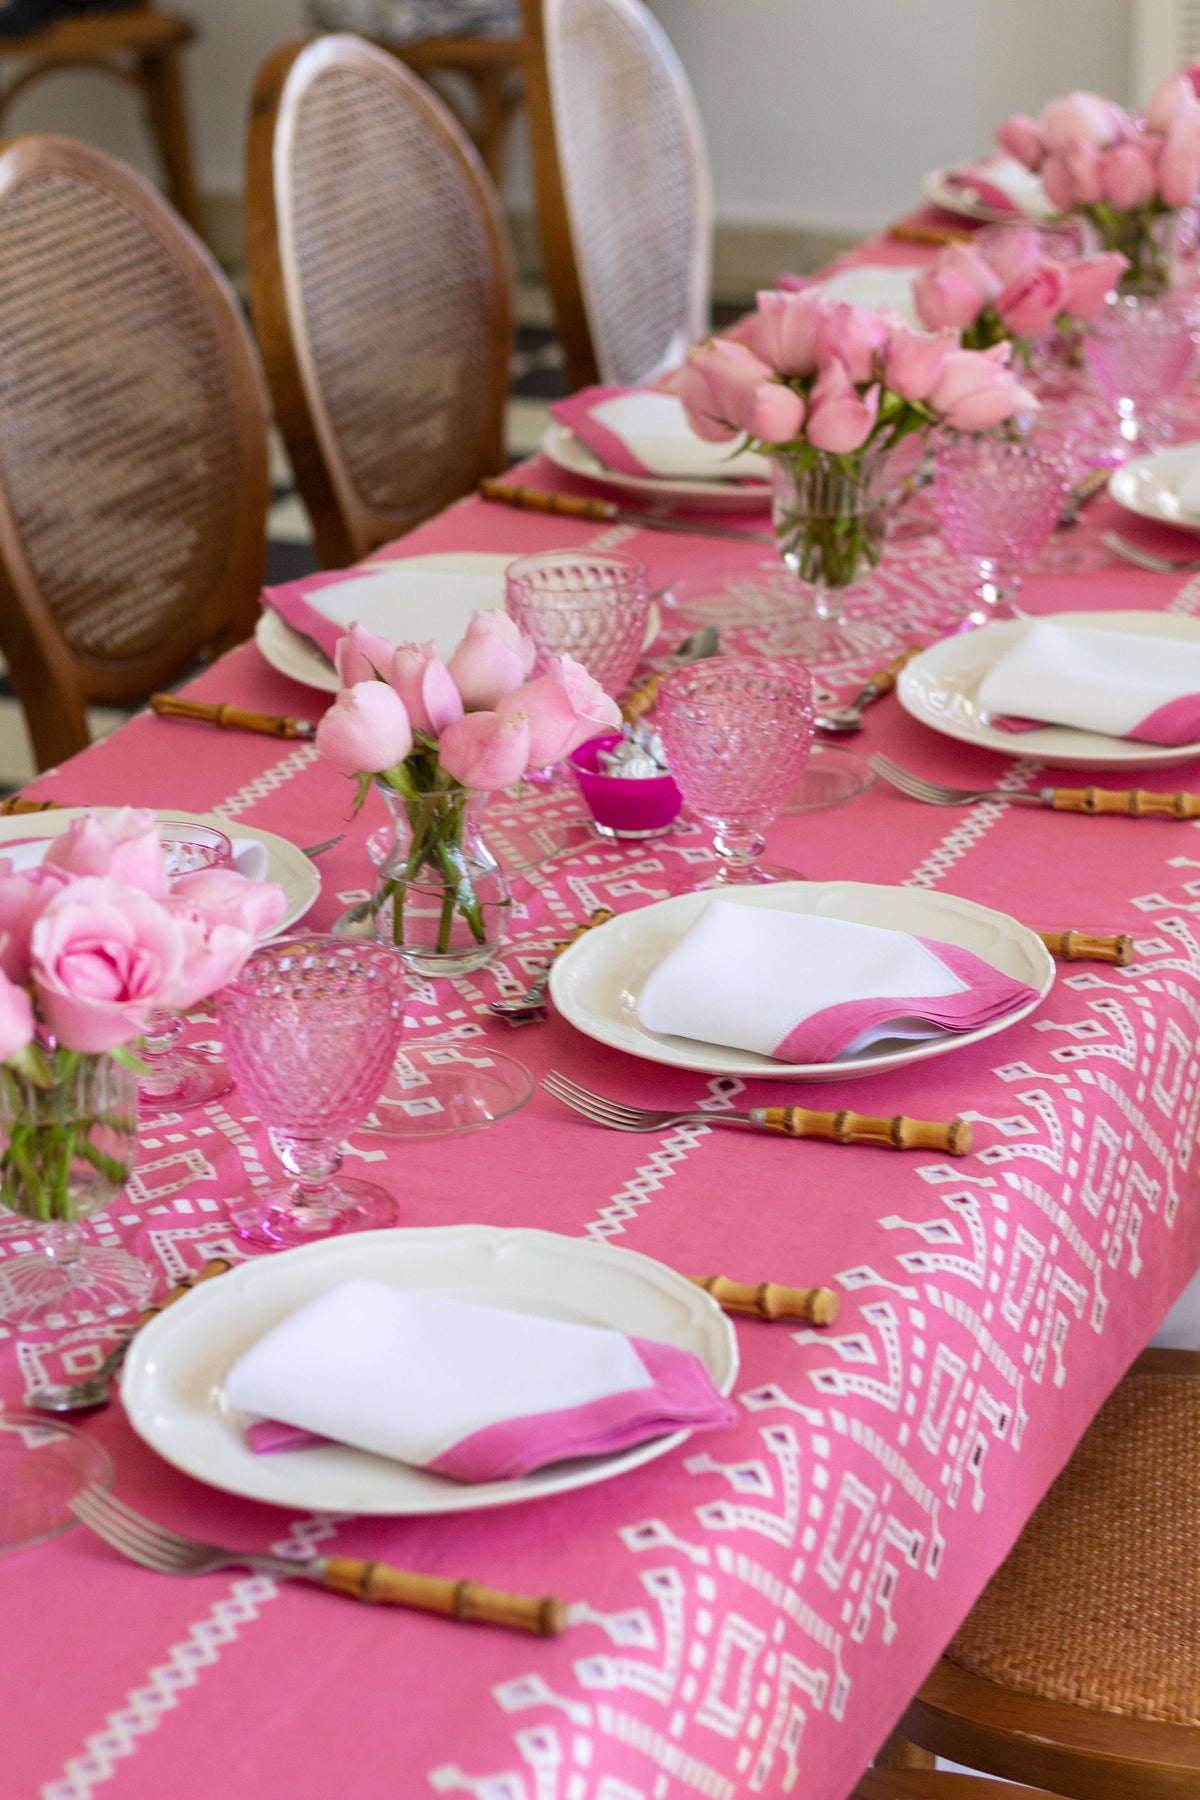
381, 290
894, 1784
135, 44
1079, 1667
623, 197
133, 442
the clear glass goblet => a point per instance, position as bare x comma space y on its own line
1138, 350
311, 1029
175, 1078
737, 732
1001, 493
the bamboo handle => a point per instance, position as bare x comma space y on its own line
1135, 804
899, 1133
886, 679
379, 1582
1078, 946
572, 506
928, 234
642, 698
171, 706
16, 803
600, 915
819, 1306
217, 1265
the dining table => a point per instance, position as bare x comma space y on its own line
751, 1612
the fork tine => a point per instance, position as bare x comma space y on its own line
128, 1531
596, 1115
113, 1533
592, 1106
915, 786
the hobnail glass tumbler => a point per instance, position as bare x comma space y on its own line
592, 607
737, 731
1000, 494
1138, 351
311, 1027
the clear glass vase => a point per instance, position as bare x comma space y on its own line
831, 513
1138, 350
68, 1150
442, 898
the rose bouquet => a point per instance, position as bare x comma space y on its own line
436, 738
1001, 285
1127, 175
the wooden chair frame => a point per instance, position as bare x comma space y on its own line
887, 1784
345, 527
53, 683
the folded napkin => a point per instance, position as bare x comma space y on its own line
467, 1391
405, 605
638, 431
809, 990
1002, 184
1108, 681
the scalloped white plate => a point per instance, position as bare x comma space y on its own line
1149, 486
568, 452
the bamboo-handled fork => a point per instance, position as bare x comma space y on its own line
1133, 803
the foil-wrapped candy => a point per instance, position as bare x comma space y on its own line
639, 755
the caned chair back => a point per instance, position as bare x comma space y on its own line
381, 289
624, 200
133, 441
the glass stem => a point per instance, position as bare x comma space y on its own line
313, 1162
738, 849
163, 1030
62, 1243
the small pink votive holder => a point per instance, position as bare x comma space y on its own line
624, 806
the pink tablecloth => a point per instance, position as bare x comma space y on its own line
750, 1613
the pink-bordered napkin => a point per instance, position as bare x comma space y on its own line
1114, 682
643, 431
1002, 184
806, 989
401, 600
466, 1391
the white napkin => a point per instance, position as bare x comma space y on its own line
468, 1391
1002, 183
637, 431
1108, 681
874, 288
401, 603
806, 989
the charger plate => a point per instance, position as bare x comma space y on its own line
172, 1384
596, 982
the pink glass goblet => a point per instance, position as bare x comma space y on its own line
1001, 494
311, 1029
1138, 351
175, 1078
737, 732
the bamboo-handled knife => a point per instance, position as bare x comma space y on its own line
607, 512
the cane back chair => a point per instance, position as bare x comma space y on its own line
381, 289
623, 196
133, 442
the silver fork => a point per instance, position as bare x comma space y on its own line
934, 794
619, 1117
169, 1553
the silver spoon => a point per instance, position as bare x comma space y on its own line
532, 1003
849, 718
86, 1396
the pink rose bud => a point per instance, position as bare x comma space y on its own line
1090, 280
976, 391
366, 730
1084, 165
103, 957
1009, 251
426, 686
1022, 138
564, 708
854, 336
493, 657
16, 1019
486, 750
1192, 71
944, 298
1029, 306
214, 953
785, 328
1127, 176
839, 419
1057, 183
717, 386
777, 413
362, 655
22, 896
125, 845
1082, 118
915, 360
227, 898
1178, 174
1172, 99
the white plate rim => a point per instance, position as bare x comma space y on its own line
619, 1028
940, 191
1059, 745
287, 864
1124, 486
217, 1456
567, 452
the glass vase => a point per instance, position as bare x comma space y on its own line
830, 514
442, 898
68, 1149
1138, 350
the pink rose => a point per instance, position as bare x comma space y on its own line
362, 655
426, 686
1082, 118
125, 845
493, 657
854, 336
1084, 165
1171, 100
564, 708
1179, 166
366, 730
1029, 306
1022, 138
487, 749
839, 419
225, 897
1090, 279
213, 955
785, 329
776, 413
716, 386
942, 298
915, 360
1059, 188
103, 958
1009, 251
976, 391
22, 897
1127, 176
16, 1019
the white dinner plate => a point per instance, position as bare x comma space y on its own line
286, 863
297, 657
941, 686
1149, 486
1025, 187
172, 1385
568, 452
597, 981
